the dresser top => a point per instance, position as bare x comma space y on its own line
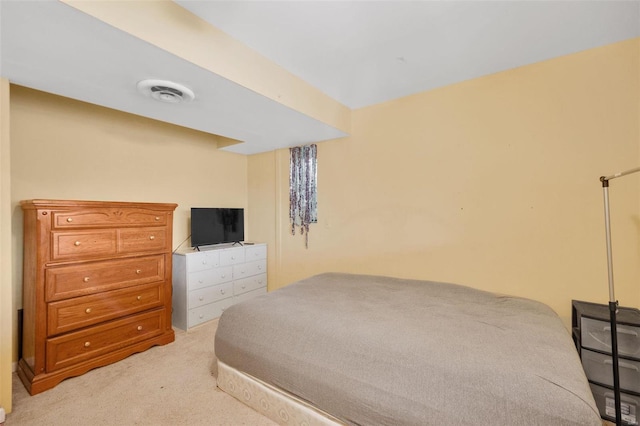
35, 204
190, 250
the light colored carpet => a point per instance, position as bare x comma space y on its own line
173, 384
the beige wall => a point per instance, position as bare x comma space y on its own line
65, 149
7, 311
492, 183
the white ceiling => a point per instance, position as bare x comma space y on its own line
357, 52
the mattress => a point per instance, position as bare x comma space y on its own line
371, 350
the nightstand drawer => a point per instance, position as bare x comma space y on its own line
596, 334
72, 314
79, 346
605, 401
211, 294
599, 368
79, 280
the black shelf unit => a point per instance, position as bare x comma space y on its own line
591, 331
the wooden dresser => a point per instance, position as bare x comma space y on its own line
97, 285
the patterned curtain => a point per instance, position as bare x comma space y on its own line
302, 189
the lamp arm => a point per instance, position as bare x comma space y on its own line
619, 174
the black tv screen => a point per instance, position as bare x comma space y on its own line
216, 225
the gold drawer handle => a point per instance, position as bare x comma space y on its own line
157, 217
77, 243
88, 310
69, 219
139, 298
85, 279
138, 271
139, 328
151, 237
87, 344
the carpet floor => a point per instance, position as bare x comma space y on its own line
173, 384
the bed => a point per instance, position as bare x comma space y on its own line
369, 350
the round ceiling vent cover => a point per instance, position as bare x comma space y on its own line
165, 91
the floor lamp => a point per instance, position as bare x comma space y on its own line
613, 303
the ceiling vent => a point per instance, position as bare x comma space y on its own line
165, 91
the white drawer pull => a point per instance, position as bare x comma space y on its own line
77, 243
88, 310
69, 219
204, 262
87, 344
85, 279
233, 258
201, 298
259, 267
623, 331
139, 328
622, 364
221, 291
201, 316
243, 287
223, 276
151, 237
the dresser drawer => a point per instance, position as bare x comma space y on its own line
202, 260
599, 368
107, 217
134, 240
231, 256
208, 295
249, 295
209, 277
596, 334
256, 252
248, 284
72, 348
83, 244
208, 312
72, 314
72, 281
249, 269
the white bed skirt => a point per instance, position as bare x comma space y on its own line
279, 406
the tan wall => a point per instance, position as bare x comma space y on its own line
492, 183
7, 311
65, 149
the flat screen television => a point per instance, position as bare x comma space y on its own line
211, 225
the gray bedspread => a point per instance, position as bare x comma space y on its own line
376, 350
